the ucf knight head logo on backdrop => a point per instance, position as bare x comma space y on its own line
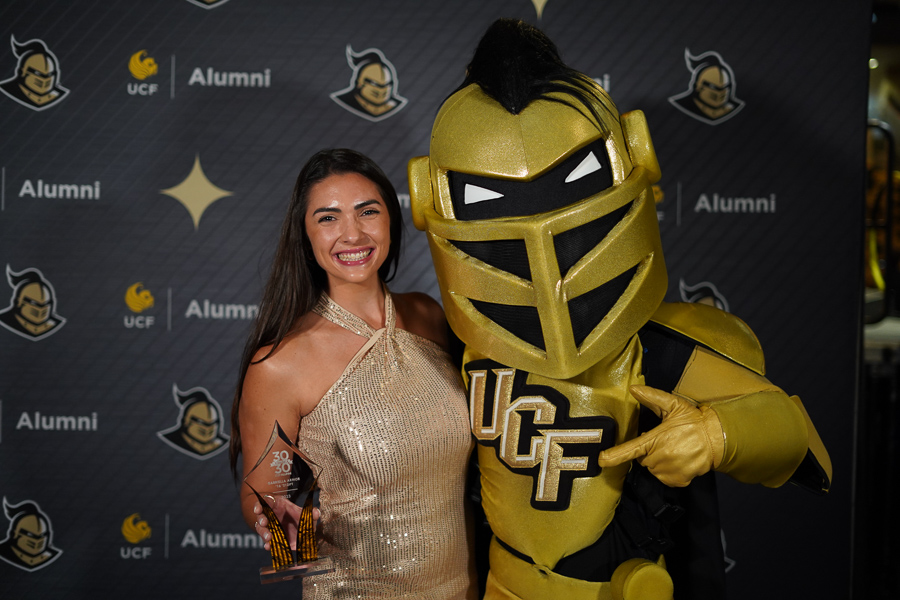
35, 83
198, 432
710, 96
372, 93
29, 539
32, 310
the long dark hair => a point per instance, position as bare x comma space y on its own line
296, 280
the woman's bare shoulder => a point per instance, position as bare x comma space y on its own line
280, 360
284, 373
422, 315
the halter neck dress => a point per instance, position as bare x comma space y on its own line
393, 439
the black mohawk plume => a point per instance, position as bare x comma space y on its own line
516, 63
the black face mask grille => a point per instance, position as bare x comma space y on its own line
586, 311
506, 255
522, 321
573, 244
512, 257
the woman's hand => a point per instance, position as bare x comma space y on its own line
287, 513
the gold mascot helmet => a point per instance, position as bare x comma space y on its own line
539, 212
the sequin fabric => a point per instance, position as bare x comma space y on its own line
392, 436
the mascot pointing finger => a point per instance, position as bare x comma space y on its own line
599, 410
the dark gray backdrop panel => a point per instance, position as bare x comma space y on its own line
799, 68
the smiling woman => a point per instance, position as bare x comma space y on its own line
360, 378
348, 226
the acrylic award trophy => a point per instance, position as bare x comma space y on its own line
282, 473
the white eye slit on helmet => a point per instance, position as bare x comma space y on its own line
581, 175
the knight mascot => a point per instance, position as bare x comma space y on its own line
599, 410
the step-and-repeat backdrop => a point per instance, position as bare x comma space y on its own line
147, 154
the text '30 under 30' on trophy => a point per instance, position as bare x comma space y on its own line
280, 479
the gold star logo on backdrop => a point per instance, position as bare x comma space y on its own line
196, 192
539, 6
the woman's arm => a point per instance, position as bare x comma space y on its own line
270, 395
284, 388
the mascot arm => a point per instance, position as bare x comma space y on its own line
765, 432
723, 414
769, 437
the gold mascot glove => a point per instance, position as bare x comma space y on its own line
688, 443
766, 437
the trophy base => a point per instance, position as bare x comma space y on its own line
272, 575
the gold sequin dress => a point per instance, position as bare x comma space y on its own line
393, 438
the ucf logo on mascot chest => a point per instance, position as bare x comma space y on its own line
533, 433
537, 202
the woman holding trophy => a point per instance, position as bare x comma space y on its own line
360, 378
